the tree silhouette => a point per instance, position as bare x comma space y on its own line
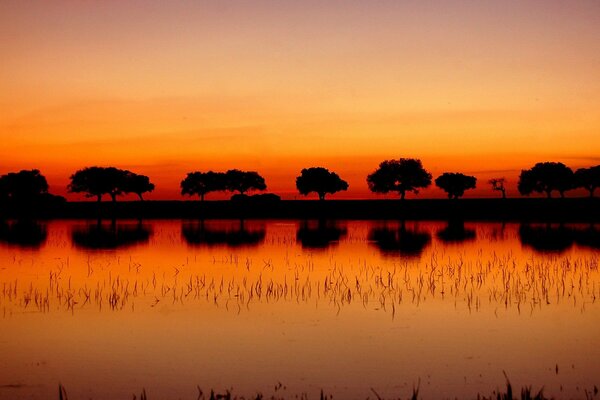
135, 183
588, 178
320, 181
24, 186
455, 184
98, 181
546, 177
403, 175
498, 185
243, 181
202, 183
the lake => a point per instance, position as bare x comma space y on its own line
292, 307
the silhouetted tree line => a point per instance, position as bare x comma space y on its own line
26, 189
402, 176
234, 180
98, 181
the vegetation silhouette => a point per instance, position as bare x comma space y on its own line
588, 178
138, 184
321, 181
25, 194
546, 238
319, 234
244, 181
546, 177
236, 235
202, 183
25, 185
23, 233
402, 175
98, 181
498, 185
100, 236
455, 232
234, 180
402, 241
455, 183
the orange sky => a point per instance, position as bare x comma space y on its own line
485, 88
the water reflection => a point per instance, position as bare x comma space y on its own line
319, 234
455, 232
588, 237
26, 234
235, 234
113, 235
401, 240
224, 310
551, 238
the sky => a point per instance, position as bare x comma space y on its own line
486, 88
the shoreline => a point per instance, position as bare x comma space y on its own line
518, 209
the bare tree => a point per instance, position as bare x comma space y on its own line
498, 185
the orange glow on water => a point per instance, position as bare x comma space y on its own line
332, 306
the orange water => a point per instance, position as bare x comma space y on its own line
345, 307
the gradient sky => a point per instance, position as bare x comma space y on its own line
164, 88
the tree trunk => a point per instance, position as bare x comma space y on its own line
114, 197
202, 197
141, 197
321, 196
99, 197
591, 192
503, 193
549, 193
402, 194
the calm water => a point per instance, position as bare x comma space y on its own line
169, 305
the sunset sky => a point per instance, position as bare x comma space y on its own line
163, 88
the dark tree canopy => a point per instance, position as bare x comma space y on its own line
243, 181
135, 183
202, 183
588, 178
498, 185
98, 181
403, 175
455, 184
23, 186
546, 177
321, 181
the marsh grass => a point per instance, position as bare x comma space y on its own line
526, 393
235, 283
